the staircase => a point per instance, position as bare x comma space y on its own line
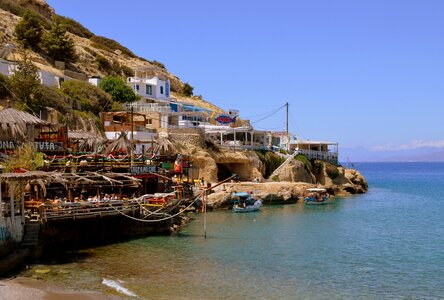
286, 162
31, 235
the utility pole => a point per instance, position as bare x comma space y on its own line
286, 128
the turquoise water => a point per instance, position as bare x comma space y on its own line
386, 244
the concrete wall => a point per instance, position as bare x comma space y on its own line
11, 229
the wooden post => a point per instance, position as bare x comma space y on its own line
22, 202
12, 217
1, 194
204, 207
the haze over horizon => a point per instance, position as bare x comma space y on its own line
366, 74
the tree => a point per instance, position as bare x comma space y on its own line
118, 89
187, 89
29, 30
25, 85
4, 87
57, 43
92, 98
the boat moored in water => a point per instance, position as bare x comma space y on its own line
316, 196
245, 202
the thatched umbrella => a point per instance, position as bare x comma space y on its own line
121, 144
18, 125
164, 147
86, 140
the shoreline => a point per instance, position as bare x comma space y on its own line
18, 288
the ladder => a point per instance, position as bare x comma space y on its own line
286, 162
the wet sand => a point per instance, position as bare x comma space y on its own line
22, 288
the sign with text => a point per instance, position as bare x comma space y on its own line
39, 146
142, 169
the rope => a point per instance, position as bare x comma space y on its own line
156, 220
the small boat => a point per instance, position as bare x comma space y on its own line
245, 202
316, 196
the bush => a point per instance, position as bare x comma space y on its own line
159, 64
53, 97
75, 27
24, 157
25, 84
103, 64
57, 43
29, 31
110, 45
12, 7
270, 160
305, 161
92, 98
187, 90
118, 89
332, 171
127, 71
4, 87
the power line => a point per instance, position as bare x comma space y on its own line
269, 115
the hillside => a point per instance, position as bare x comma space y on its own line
96, 55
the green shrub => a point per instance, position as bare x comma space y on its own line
4, 87
57, 43
103, 64
187, 89
159, 64
25, 85
332, 171
75, 27
53, 97
92, 98
270, 160
12, 7
118, 89
110, 45
127, 71
29, 30
305, 161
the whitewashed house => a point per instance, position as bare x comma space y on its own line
154, 88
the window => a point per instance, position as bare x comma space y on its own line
137, 87
161, 90
149, 121
148, 89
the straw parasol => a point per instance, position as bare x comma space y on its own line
86, 139
121, 144
165, 147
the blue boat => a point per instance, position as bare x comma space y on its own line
316, 196
245, 202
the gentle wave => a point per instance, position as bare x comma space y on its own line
116, 285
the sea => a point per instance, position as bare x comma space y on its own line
385, 244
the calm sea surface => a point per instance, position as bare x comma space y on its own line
386, 244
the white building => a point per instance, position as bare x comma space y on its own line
8, 68
156, 88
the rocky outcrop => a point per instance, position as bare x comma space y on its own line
269, 192
214, 166
296, 172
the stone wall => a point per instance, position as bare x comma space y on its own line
186, 136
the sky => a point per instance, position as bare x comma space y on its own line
367, 74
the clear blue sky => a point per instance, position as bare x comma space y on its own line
363, 73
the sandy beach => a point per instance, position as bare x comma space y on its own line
25, 288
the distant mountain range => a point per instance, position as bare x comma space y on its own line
360, 154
